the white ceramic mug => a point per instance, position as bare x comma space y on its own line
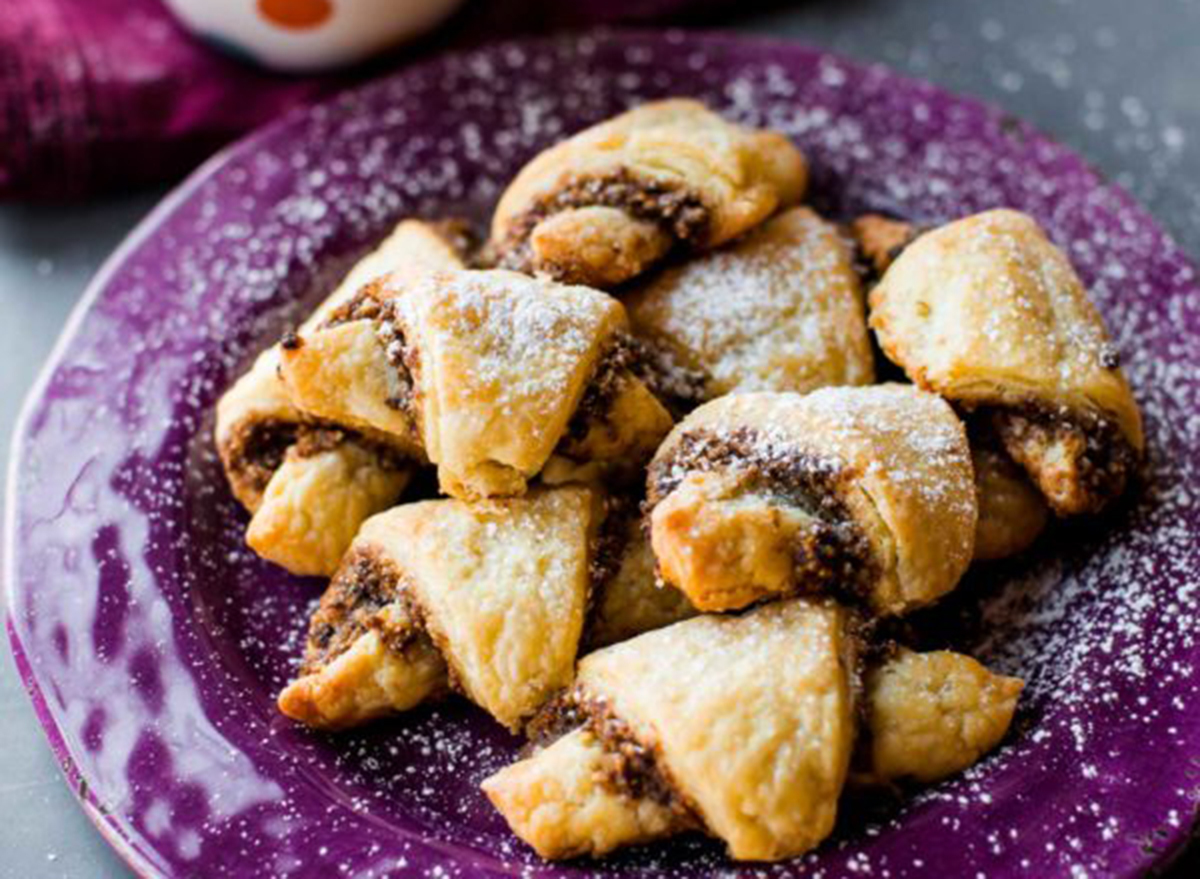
305, 35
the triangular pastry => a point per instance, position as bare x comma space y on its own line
987, 312
613, 200
629, 771
866, 492
779, 309
309, 484
487, 373
494, 593
742, 726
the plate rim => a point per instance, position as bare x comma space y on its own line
113, 832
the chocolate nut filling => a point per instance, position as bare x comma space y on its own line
370, 304
1079, 460
607, 553
879, 241
366, 304
613, 368
832, 557
254, 450
319, 437
679, 210
680, 388
402, 357
631, 768
366, 583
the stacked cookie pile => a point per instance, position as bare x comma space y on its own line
675, 511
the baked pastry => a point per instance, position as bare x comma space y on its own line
881, 240
310, 484
988, 313
606, 204
601, 786
307, 486
931, 715
741, 726
867, 492
486, 598
628, 599
487, 373
1012, 512
780, 309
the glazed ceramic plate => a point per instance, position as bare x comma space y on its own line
153, 642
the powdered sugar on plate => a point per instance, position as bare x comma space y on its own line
156, 642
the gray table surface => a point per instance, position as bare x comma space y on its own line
1116, 79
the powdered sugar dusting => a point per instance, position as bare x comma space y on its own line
779, 311
177, 734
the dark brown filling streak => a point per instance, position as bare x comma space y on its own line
256, 449
366, 583
631, 768
1108, 460
607, 553
612, 369
369, 304
680, 388
836, 559
870, 271
676, 209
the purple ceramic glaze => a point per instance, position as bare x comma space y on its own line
153, 642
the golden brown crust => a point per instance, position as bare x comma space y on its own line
256, 423
496, 590
877, 480
758, 530
597, 246
307, 486
628, 600
484, 373
881, 240
328, 484
1079, 463
1012, 512
602, 206
558, 801
310, 484
931, 715
780, 309
367, 654
988, 313
743, 725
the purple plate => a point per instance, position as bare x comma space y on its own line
153, 642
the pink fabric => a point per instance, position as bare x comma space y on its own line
100, 95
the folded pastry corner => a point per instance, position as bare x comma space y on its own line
561, 805
987, 312
602, 206
881, 240
307, 486
931, 715
741, 726
864, 492
779, 309
487, 373
492, 593
1012, 512
627, 598
328, 483
256, 424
